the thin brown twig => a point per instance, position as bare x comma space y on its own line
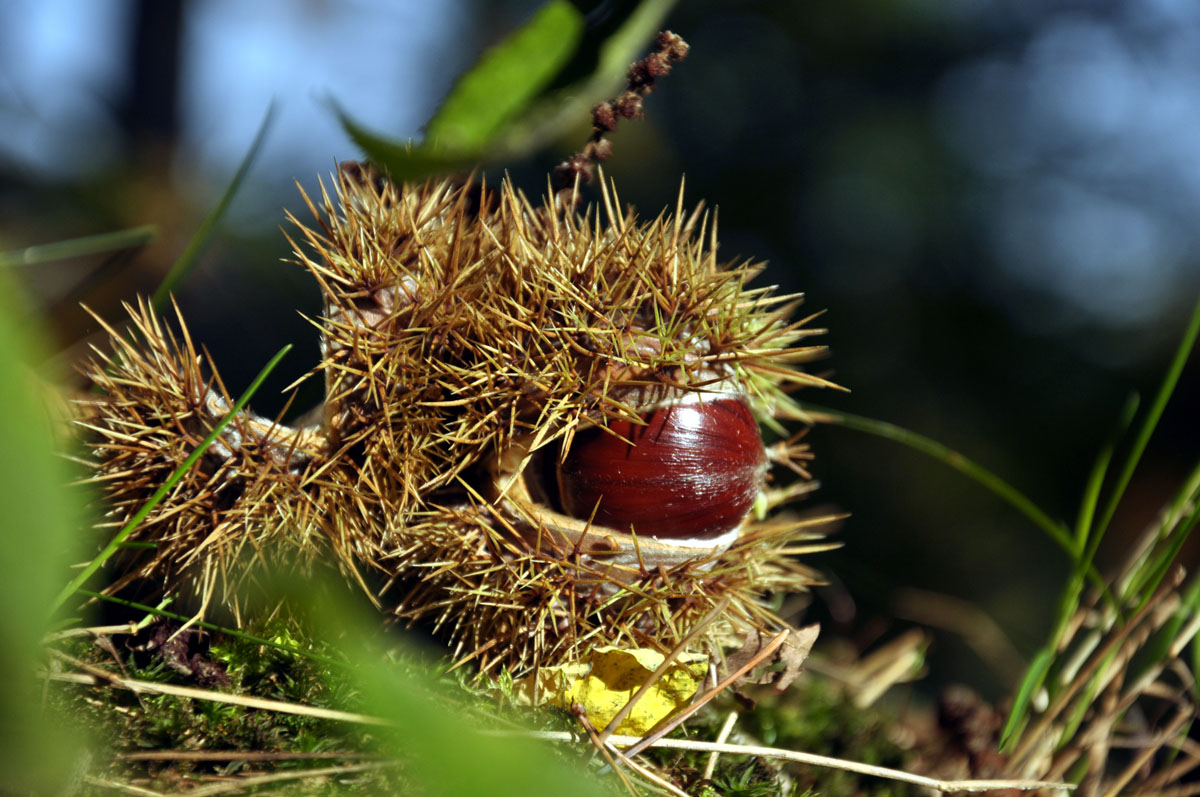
237, 755
604, 749
609, 752
1183, 715
821, 761
722, 737
667, 663
645, 772
133, 685
97, 630
1175, 772
291, 774
679, 718
124, 788
1030, 738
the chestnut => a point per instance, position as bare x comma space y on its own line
691, 472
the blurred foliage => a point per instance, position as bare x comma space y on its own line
820, 131
38, 751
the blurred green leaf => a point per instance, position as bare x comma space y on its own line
78, 247
446, 754
505, 107
506, 78
39, 519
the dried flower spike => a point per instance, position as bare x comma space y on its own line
540, 425
642, 79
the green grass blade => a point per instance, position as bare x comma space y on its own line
1161, 642
115, 543
233, 632
203, 236
1149, 423
1091, 493
1185, 499
1057, 531
1030, 684
1173, 533
78, 247
1086, 543
1160, 565
504, 81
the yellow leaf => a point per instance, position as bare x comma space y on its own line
604, 683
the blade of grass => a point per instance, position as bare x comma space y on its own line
115, 543
1166, 642
78, 247
1160, 565
1030, 684
1091, 493
1056, 530
203, 236
1172, 534
233, 632
1068, 602
1170, 380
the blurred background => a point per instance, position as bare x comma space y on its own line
994, 203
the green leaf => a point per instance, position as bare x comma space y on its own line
78, 247
203, 236
526, 112
506, 79
1091, 494
40, 519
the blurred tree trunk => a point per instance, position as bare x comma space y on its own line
150, 111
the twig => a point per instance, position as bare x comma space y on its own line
126, 788
679, 718
711, 766
820, 761
1118, 637
105, 678
662, 783
667, 663
1184, 715
605, 750
294, 774
96, 630
236, 755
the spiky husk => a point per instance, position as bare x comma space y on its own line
231, 510
461, 325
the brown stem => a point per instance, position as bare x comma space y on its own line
641, 80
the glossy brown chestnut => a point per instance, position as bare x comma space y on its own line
692, 472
